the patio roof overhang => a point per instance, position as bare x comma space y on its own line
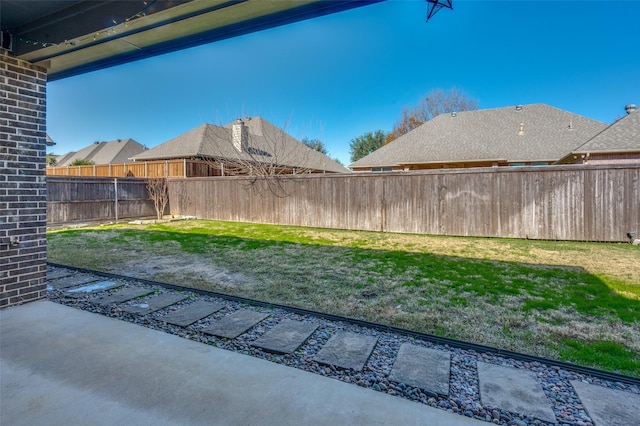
71, 37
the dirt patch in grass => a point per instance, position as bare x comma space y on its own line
111, 250
199, 270
553, 299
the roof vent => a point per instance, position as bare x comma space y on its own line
453, 113
518, 107
521, 131
630, 108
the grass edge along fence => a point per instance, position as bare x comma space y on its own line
573, 203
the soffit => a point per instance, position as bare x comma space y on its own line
72, 37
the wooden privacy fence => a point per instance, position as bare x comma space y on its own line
92, 199
584, 203
142, 169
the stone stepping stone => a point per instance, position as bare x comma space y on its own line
514, 390
286, 337
424, 368
58, 273
608, 407
155, 303
72, 281
122, 295
94, 287
347, 350
191, 313
235, 324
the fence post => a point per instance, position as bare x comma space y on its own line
115, 185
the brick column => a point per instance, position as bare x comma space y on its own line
23, 249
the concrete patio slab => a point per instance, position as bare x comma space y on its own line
233, 325
347, 350
424, 368
514, 390
72, 281
65, 366
286, 337
94, 287
154, 303
122, 295
608, 407
187, 315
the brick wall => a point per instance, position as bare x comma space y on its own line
23, 255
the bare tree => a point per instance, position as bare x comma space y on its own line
433, 104
264, 153
159, 193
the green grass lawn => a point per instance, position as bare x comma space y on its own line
577, 302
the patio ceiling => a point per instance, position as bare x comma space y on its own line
73, 37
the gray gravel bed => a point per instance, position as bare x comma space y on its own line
463, 398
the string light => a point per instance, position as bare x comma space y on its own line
108, 31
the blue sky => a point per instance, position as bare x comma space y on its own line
336, 77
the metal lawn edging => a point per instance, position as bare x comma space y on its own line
605, 375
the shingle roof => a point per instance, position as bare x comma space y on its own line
49, 141
118, 151
82, 154
64, 158
275, 145
527, 133
621, 136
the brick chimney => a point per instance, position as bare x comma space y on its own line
240, 135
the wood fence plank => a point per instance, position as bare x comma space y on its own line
584, 203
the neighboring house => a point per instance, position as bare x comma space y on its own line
49, 141
618, 143
252, 140
52, 158
535, 134
118, 151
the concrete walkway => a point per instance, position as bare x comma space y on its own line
64, 366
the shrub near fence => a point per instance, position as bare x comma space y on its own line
72, 199
583, 203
